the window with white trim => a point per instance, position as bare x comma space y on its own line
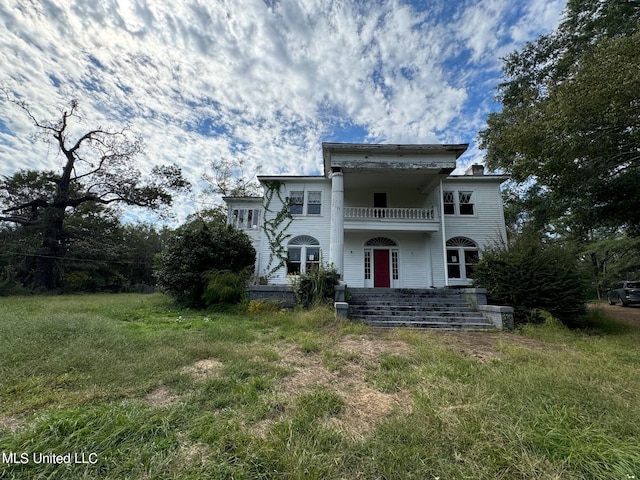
449, 202
296, 202
394, 265
458, 202
465, 203
462, 256
245, 218
303, 254
367, 264
301, 204
314, 203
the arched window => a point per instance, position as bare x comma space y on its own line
303, 254
462, 256
380, 242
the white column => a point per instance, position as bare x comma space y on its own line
444, 237
336, 247
429, 257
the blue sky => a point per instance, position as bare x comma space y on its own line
266, 81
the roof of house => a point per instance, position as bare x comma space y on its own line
395, 150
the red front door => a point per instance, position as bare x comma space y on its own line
381, 277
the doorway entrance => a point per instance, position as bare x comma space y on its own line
381, 270
381, 263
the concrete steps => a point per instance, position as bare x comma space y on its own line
416, 308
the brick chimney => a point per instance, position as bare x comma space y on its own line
475, 170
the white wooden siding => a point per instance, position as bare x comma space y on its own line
486, 226
317, 226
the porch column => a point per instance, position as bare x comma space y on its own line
336, 247
444, 237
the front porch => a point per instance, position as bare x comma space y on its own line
384, 258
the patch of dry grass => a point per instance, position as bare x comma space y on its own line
203, 369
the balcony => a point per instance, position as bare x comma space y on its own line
398, 219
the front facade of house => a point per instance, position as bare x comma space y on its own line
385, 216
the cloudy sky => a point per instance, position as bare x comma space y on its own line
266, 81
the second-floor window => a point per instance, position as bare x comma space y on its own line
449, 202
465, 203
296, 203
458, 202
301, 204
245, 217
314, 203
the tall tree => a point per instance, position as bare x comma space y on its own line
98, 167
229, 179
569, 127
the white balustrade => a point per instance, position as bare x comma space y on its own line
402, 214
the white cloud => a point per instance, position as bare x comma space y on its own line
268, 82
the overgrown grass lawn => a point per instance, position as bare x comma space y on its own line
129, 386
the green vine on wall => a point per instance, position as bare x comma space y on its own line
275, 229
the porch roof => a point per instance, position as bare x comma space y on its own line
359, 155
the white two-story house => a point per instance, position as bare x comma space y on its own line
385, 216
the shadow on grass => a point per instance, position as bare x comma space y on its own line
597, 322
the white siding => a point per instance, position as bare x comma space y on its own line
316, 226
486, 226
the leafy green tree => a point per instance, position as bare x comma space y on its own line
612, 257
101, 254
196, 249
569, 127
229, 179
141, 243
98, 168
104, 255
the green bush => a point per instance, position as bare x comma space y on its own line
224, 287
316, 286
199, 247
9, 284
533, 276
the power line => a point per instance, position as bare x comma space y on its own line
85, 260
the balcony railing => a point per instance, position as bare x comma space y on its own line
397, 214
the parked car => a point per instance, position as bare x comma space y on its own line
624, 293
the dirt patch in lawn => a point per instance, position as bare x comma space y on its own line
369, 349
11, 422
629, 315
203, 369
160, 397
486, 346
364, 406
